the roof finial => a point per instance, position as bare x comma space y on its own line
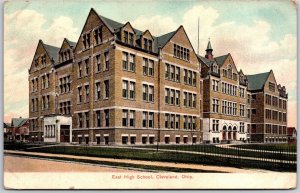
209, 45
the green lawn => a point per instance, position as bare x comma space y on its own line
226, 151
270, 147
152, 155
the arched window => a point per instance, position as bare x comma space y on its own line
234, 128
224, 128
229, 128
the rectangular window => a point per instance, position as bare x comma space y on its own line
106, 115
87, 119
145, 115
106, 85
106, 56
132, 90
79, 91
79, 70
87, 66
126, 37
131, 40
98, 91
151, 68
167, 95
167, 69
151, 93
181, 52
124, 118
145, 66
215, 104
167, 118
172, 69
177, 122
177, 78
132, 118
87, 93
177, 98
125, 89
79, 120
145, 92
132, 63
151, 119
98, 119
125, 60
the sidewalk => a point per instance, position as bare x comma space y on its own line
140, 162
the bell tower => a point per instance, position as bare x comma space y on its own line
209, 51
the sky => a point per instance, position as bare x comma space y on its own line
260, 35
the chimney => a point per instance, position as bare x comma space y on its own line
209, 50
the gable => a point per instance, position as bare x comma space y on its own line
271, 79
229, 61
127, 27
92, 22
147, 35
39, 52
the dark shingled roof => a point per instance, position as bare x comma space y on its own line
163, 39
18, 122
257, 81
52, 51
219, 60
159, 41
113, 25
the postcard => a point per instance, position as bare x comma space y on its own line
150, 94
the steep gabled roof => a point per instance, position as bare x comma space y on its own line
18, 122
72, 44
52, 51
111, 24
257, 81
221, 59
163, 39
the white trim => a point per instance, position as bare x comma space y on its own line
106, 135
135, 53
144, 135
79, 135
169, 112
181, 66
194, 135
170, 87
151, 135
148, 83
185, 136
124, 135
83, 111
97, 135
189, 91
86, 135
177, 135
132, 135
167, 136
128, 79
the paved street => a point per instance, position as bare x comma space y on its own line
25, 164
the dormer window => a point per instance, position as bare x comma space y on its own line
98, 35
131, 39
148, 44
86, 41
272, 86
215, 69
126, 37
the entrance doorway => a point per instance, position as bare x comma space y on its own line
65, 133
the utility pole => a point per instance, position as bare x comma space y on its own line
198, 36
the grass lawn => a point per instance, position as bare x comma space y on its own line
270, 147
226, 151
152, 155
